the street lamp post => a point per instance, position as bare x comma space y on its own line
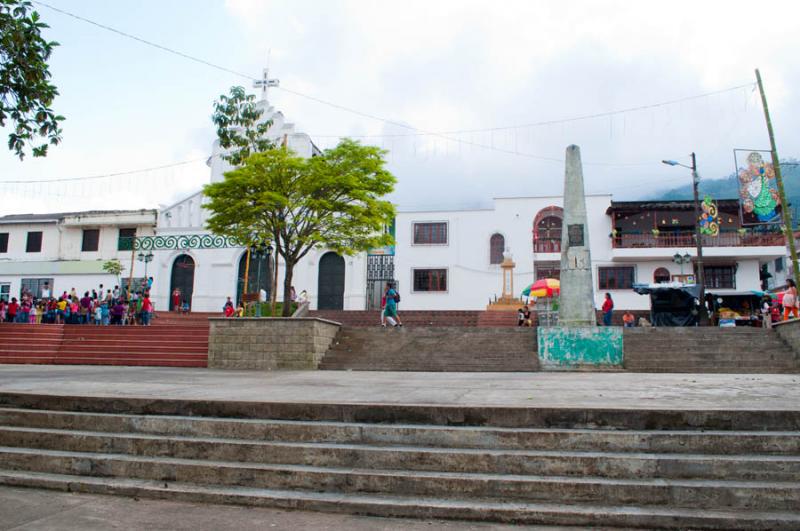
146, 258
701, 280
680, 260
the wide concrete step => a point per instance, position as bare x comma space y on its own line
518, 462
425, 414
409, 506
757, 495
469, 437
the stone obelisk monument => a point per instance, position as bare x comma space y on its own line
576, 307
577, 343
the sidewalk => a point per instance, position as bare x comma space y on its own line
40, 510
529, 390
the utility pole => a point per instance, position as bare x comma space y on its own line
786, 213
698, 237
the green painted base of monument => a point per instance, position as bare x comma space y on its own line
580, 348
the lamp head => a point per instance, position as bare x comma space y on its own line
687, 258
676, 258
670, 162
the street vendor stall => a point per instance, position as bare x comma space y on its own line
737, 309
672, 304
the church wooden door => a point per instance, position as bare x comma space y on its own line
331, 282
182, 278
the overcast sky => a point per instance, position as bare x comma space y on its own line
438, 66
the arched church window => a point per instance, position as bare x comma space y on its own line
661, 275
497, 243
547, 230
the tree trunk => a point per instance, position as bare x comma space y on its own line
287, 289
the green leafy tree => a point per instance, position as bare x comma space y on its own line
334, 201
26, 93
238, 127
114, 267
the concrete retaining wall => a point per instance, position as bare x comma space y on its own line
278, 343
789, 331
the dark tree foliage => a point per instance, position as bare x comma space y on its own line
238, 127
26, 93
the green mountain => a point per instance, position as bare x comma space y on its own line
727, 188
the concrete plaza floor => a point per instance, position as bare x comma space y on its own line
45, 510
573, 389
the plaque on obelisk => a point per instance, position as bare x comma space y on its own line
577, 294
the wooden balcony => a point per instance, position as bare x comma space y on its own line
547, 246
685, 239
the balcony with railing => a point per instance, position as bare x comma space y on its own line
685, 239
547, 246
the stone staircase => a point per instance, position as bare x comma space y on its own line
707, 350
410, 318
495, 318
677, 469
172, 341
433, 348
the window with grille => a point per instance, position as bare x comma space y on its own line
35, 286
548, 235
91, 240
125, 239
547, 270
720, 277
3, 242
430, 233
430, 280
778, 261
497, 244
615, 277
34, 243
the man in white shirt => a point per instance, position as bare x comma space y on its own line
46, 291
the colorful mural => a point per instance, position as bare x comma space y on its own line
758, 192
709, 219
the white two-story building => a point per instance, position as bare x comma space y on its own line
67, 250
447, 260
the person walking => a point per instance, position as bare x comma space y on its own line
147, 309
608, 310
390, 312
790, 300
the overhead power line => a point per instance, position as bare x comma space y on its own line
418, 131
415, 130
513, 127
144, 41
107, 175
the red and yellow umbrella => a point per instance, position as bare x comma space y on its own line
546, 287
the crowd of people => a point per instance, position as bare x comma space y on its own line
98, 306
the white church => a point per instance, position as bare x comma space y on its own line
442, 260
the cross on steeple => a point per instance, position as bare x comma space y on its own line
265, 82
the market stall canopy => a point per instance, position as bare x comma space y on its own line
672, 304
546, 287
